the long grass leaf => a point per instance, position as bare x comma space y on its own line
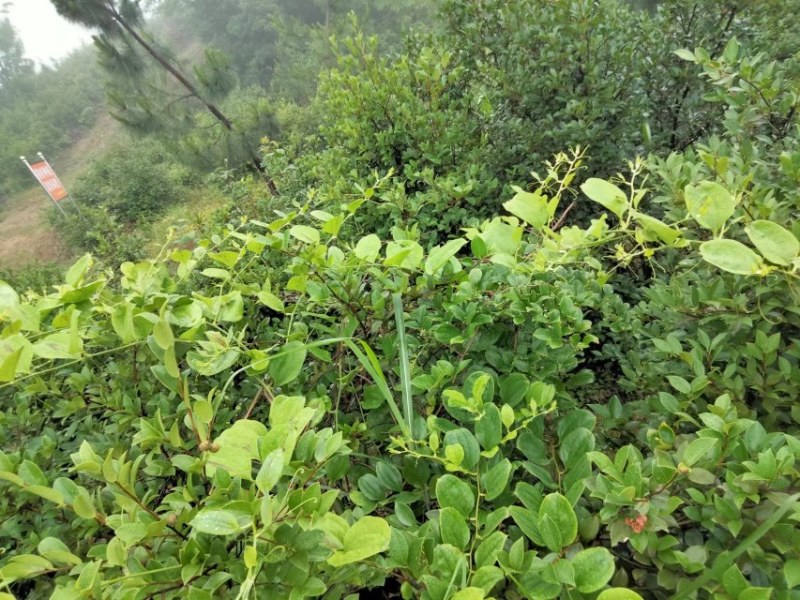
370, 363
405, 371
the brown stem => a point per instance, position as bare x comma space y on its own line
560, 223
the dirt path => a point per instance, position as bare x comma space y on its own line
26, 237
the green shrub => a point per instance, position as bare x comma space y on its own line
134, 183
287, 412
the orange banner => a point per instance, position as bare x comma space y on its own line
49, 180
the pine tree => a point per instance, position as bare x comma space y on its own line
120, 24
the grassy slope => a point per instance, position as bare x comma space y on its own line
26, 238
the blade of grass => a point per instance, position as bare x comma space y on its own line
405, 371
371, 364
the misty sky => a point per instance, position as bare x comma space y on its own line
45, 34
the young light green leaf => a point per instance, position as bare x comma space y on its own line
606, 194
661, 230
470, 593
270, 472
530, 207
618, 594
367, 537
775, 243
439, 256
685, 54
238, 446
368, 248
710, 204
304, 233
731, 256
58, 346
217, 522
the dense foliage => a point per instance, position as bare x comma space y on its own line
452, 361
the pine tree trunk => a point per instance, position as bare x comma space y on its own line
190, 87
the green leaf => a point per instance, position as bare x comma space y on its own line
9, 365
470, 593
216, 273
489, 427
217, 522
685, 54
488, 549
368, 248
710, 204
619, 594
791, 571
367, 537
594, 568
270, 472
83, 506
776, 244
57, 552
451, 492
122, 322
162, 333
697, 449
209, 362
270, 300
238, 446
203, 410
439, 256
389, 476
406, 254
606, 194
31, 473
680, 384
487, 577
560, 512
77, 271
9, 299
47, 493
453, 528
756, 593
725, 560
551, 534
661, 230
58, 346
286, 364
23, 566
495, 480
304, 233
530, 207
731, 256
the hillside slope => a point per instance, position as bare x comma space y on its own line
26, 238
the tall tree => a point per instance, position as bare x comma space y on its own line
12, 54
120, 24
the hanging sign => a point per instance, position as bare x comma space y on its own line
49, 180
